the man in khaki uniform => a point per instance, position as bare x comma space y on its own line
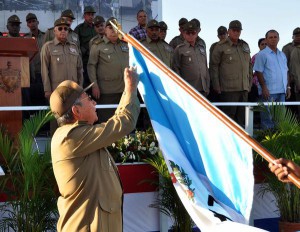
107, 60
99, 26
199, 40
163, 30
36, 85
158, 47
91, 194
231, 71
72, 36
13, 26
190, 61
179, 39
60, 59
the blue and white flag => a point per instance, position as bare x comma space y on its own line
211, 167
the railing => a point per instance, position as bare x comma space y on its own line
249, 113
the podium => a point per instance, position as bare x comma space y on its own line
15, 55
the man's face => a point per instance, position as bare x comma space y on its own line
296, 38
111, 34
222, 36
100, 28
13, 29
234, 34
69, 20
190, 36
142, 18
153, 33
61, 32
272, 39
87, 109
88, 17
32, 24
162, 34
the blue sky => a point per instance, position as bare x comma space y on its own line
256, 16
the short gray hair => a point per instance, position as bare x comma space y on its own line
68, 117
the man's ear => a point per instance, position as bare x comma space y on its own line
76, 112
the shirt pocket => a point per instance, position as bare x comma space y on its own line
106, 162
107, 56
229, 56
187, 59
57, 57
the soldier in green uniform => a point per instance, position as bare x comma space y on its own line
190, 60
60, 59
199, 40
99, 25
13, 26
107, 60
179, 38
231, 71
86, 32
163, 30
36, 85
72, 36
158, 47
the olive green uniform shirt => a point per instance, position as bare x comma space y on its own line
95, 40
85, 33
287, 50
60, 62
231, 68
87, 177
191, 64
35, 64
161, 49
176, 41
294, 67
106, 65
72, 36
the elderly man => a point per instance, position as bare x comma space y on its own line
60, 59
272, 73
139, 32
91, 195
72, 36
190, 60
231, 71
160, 48
107, 60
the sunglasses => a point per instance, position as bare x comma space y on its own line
89, 97
191, 32
63, 28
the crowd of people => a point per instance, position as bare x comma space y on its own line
91, 59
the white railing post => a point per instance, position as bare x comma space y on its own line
249, 119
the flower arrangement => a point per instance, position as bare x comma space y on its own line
135, 147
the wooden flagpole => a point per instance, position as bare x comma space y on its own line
204, 102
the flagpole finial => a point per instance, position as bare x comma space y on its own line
117, 28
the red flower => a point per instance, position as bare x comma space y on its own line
189, 193
174, 180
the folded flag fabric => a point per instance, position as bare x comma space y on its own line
211, 167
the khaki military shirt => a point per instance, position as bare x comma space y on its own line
35, 64
231, 68
294, 68
95, 40
72, 36
87, 177
60, 62
85, 33
191, 64
176, 41
161, 49
106, 65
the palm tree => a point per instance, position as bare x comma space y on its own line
29, 182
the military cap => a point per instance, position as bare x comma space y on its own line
190, 26
235, 24
98, 19
153, 23
89, 9
61, 21
64, 96
13, 19
30, 16
222, 30
113, 19
163, 25
296, 31
182, 21
67, 13
197, 22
